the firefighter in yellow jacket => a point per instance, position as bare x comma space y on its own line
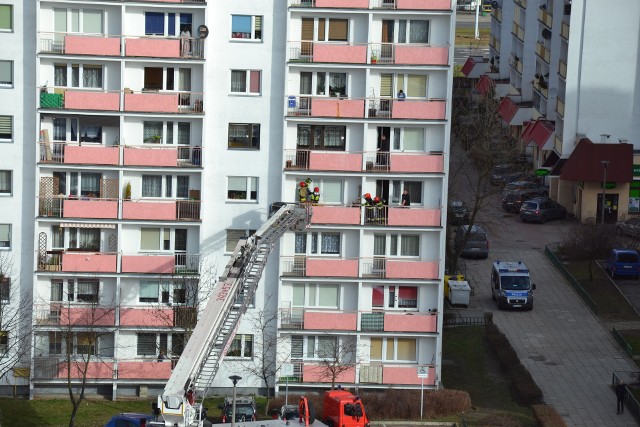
302, 192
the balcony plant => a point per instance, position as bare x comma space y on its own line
374, 58
127, 191
154, 139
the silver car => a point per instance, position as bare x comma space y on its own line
630, 227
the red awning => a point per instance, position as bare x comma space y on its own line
526, 133
507, 109
485, 84
540, 132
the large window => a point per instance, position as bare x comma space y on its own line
322, 347
233, 236
150, 239
6, 181
322, 137
6, 73
246, 27
321, 243
146, 345
337, 31
245, 81
167, 24
414, 85
80, 75
396, 296
87, 21
241, 346
244, 135
151, 185
413, 187
413, 31
393, 349
87, 290
5, 236
6, 17
6, 128
5, 290
242, 188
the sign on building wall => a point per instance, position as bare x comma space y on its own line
634, 195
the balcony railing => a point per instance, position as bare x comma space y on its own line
385, 108
162, 155
545, 17
74, 314
560, 107
368, 268
557, 143
161, 210
56, 367
518, 31
108, 262
127, 100
121, 45
543, 52
564, 30
562, 69
375, 4
496, 13
81, 154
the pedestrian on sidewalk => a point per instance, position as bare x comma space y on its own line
621, 393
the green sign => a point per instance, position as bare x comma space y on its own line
542, 172
636, 170
609, 185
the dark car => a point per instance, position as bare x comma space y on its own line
513, 201
541, 210
458, 212
630, 227
525, 185
289, 412
499, 173
476, 246
245, 409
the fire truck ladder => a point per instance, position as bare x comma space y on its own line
214, 332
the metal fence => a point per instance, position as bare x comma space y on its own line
631, 403
450, 321
623, 343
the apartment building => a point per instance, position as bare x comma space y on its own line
17, 121
367, 113
563, 77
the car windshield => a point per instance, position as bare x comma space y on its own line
529, 205
241, 410
515, 282
477, 237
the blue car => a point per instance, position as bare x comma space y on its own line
132, 420
623, 263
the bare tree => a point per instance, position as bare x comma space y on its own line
590, 242
15, 318
481, 142
337, 355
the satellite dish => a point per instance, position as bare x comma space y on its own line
495, 4
546, 33
203, 31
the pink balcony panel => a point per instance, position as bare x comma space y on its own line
144, 370
397, 269
335, 161
433, 110
332, 267
344, 54
162, 317
83, 45
90, 100
414, 217
424, 4
151, 102
318, 374
410, 322
151, 47
88, 262
87, 316
94, 370
335, 215
334, 107
419, 163
154, 211
91, 155
96, 209
148, 264
406, 375
421, 55
351, 4
151, 157
330, 321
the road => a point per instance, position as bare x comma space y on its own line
467, 20
569, 353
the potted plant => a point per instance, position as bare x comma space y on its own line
154, 139
127, 191
374, 58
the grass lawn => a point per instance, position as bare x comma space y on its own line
632, 337
468, 364
465, 37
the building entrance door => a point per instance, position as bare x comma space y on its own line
610, 209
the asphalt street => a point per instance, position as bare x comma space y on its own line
467, 20
569, 353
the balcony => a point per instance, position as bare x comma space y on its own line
341, 215
560, 107
400, 217
161, 210
144, 369
403, 162
325, 107
164, 47
518, 31
494, 42
414, 321
545, 17
562, 69
543, 52
78, 154
496, 13
564, 30
163, 102
408, 54
69, 314
90, 208
405, 375
156, 155
317, 373
349, 4
333, 52
378, 268
161, 263
158, 316
50, 368
375, 4
516, 64
557, 143
73, 99
85, 262
542, 87
416, 109
372, 161
78, 44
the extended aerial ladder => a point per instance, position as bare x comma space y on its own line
214, 332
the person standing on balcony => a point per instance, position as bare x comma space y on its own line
185, 42
406, 199
401, 95
302, 192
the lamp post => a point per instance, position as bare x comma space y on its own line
235, 379
604, 187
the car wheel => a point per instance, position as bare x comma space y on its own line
543, 219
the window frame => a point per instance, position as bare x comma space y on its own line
81, 67
6, 247
384, 349
11, 84
8, 192
248, 198
256, 34
242, 343
248, 74
10, 8
250, 130
320, 132
10, 123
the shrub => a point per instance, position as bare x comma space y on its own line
547, 416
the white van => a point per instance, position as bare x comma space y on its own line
511, 285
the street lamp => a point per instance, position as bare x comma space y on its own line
235, 379
604, 186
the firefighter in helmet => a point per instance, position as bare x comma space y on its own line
302, 192
315, 196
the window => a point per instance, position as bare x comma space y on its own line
322, 137
297, 345
150, 239
154, 23
409, 245
241, 346
82, 75
338, 30
244, 135
413, 187
242, 188
329, 243
5, 181
152, 132
184, 133
331, 191
6, 128
90, 184
146, 345
6, 73
86, 343
55, 343
397, 296
415, 31
233, 236
246, 27
154, 291
5, 290
6, 17
322, 347
336, 84
245, 81
57, 290
151, 186
87, 291
393, 349
5, 236
412, 139
183, 187
416, 85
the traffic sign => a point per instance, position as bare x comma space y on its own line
286, 370
423, 372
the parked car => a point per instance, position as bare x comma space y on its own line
525, 185
476, 246
289, 412
623, 262
500, 171
458, 212
541, 209
245, 409
630, 227
513, 201
127, 419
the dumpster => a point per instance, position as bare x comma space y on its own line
459, 292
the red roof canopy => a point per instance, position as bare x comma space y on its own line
585, 163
